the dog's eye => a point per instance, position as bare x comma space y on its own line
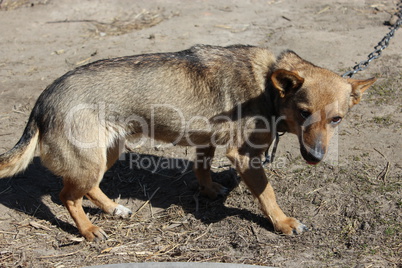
336, 120
305, 114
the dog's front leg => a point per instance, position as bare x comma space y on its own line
249, 167
202, 170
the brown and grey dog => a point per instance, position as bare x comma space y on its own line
206, 96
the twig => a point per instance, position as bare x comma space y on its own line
157, 189
5, 190
380, 153
313, 191
163, 251
18, 111
138, 210
195, 196
384, 173
181, 176
83, 61
5, 232
8, 257
146, 203
322, 205
150, 209
325, 9
59, 256
208, 228
254, 231
73, 21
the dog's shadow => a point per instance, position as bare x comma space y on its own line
162, 181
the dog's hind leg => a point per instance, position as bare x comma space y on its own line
250, 169
71, 196
99, 198
202, 167
82, 179
103, 202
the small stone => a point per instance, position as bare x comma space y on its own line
392, 21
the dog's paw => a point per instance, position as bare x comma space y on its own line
214, 190
300, 229
290, 226
122, 212
94, 233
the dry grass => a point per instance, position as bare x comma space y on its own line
15, 4
139, 21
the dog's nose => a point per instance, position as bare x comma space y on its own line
313, 155
316, 154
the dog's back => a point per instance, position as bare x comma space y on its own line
168, 87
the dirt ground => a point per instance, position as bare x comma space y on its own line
351, 204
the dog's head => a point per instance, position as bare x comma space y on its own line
313, 101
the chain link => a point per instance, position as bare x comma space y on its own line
378, 48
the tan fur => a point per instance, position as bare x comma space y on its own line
19, 160
206, 96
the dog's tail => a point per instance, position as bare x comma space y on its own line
19, 157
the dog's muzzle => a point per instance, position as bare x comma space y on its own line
313, 155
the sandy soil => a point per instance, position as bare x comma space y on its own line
351, 204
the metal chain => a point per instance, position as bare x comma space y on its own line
378, 48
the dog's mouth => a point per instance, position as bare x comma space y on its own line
313, 156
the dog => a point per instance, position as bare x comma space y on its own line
207, 96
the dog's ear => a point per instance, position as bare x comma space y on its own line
358, 87
286, 81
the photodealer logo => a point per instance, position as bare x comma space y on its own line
154, 163
101, 125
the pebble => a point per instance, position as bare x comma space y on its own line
393, 20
